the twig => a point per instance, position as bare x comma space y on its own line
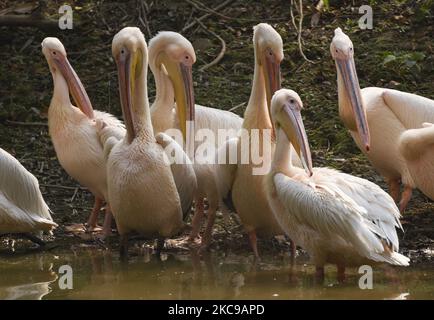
75, 193
61, 187
237, 106
144, 21
206, 9
222, 51
21, 123
192, 24
299, 28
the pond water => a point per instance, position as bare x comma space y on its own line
99, 274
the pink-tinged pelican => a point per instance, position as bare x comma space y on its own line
376, 118
146, 193
336, 217
237, 180
73, 132
169, 54
22, 207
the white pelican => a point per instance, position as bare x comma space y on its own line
336, 217
171, 57
376, 118
237, 181
145, 192
22, 207
73, 130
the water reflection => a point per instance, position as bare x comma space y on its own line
26, 278
98, 274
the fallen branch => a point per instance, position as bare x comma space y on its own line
21, 123
192, 24
15, 20
222, 51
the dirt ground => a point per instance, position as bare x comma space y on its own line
397, 53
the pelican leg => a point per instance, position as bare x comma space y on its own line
319, 273
254, 243
393, 185
293, 248
93, 218
197, 219
123, 247
405, 198
107, 226
207, 236
341, 273
160, 246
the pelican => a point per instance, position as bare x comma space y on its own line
73, 130
237, 180
145, 192
171, 55
22, 207
336, 217
376, 119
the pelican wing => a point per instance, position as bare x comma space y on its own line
414, 142
412, 110
379, 207
332, 204
21, 199
115, 127
182, 171
215, 119
110, 131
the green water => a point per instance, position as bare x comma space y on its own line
98, 274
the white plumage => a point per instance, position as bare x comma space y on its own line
382, 115
73, 130
169, 54
237, 181
336, 217
146, 193
22, 207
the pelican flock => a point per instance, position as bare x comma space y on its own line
337, 218
237, 181
141, 185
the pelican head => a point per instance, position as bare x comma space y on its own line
342, 51
131, 55
286, 108
174, 54
55, 54
269, 54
